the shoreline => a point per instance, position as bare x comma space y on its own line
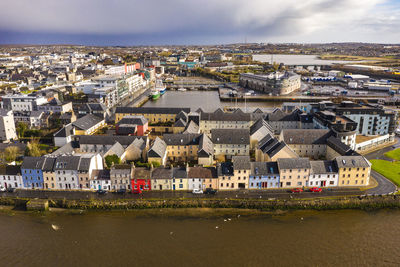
211, 206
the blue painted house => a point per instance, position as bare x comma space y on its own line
264, 175
32, 172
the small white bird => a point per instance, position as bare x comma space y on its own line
302, 218
224, 220
238, 215
55, 227
216, 227
229, 219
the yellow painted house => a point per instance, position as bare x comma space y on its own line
353, 170
153, 115
88, 124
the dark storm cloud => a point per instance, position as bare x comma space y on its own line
186, 21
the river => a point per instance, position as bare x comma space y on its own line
206, 100
305, 238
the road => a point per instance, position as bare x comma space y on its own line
252, 194
384, 185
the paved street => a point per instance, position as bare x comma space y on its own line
384, 185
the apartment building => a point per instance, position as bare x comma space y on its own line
230, 142
153, 115
310, 143
223, 120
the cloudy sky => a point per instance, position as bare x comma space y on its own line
134, 22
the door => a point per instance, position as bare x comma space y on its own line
173, 187
160, 187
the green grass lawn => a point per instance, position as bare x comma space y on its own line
390, 170
394, 154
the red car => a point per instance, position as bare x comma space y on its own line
296, 190
136, 191
316, 189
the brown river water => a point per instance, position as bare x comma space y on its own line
306, 238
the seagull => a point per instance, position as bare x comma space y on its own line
55, 227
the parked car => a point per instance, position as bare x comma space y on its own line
11, 189
197, 191
120, 191
315, 189
101, 192
296, 190
136, 191
210, 191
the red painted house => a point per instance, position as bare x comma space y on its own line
132, 125
141, 179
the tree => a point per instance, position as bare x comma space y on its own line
110, 159
33, 149
21, 129
10, 153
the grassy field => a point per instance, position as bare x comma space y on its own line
394, 154
390, 170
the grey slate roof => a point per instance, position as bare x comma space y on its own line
323, 167
241, 162
180, 123
339, 146
219, 115
261, 123
306, 136
179, 172
152, 110
49, 164
133, 119
10, 170
116, 149
299, 163
352, 161
67, 163
161, 173
206, 147
230, 136
202, 172
264, 168
84, 164
33, 163
66, 131
87, 122
157, 149
225, 169
181, 139
141, 173
279, 115
192, 128
109, 139
101, 174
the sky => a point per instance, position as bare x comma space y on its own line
187, 22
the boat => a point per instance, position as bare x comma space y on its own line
160, 87
182, 89
155, 94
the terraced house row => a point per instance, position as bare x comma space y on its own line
86, 172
